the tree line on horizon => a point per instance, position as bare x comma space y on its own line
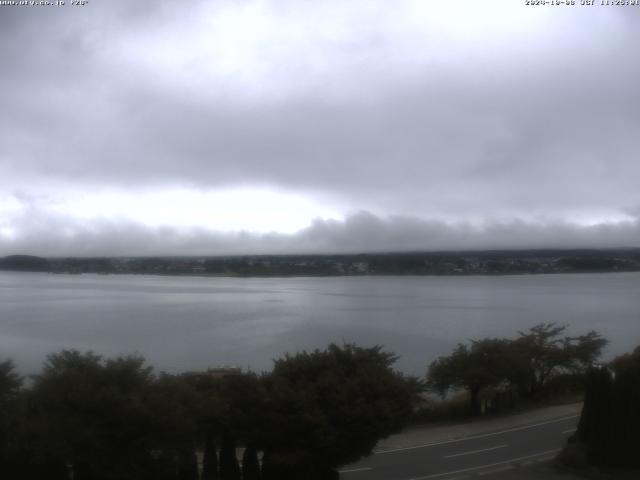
496, 262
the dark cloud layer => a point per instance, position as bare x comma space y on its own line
538, 123
361, 232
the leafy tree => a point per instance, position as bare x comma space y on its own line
10, 417
92, 414
487, 363
584, 350
243, 407
542, 349
175, 406
528, 362
544, 352
330, 407
10, 381
232, 405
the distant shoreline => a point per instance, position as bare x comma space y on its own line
490, 263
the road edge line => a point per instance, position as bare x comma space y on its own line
471, 469
473, 437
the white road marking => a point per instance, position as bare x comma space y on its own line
497, 470
571, 430
545, 459
473, 437
475, 451
489, 465
362, 469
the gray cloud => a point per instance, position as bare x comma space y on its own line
59, 236
529, 126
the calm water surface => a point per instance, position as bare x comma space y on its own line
181, 323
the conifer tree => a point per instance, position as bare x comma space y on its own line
250, 464
610, 420
210, 459
229, 468
625, 421
48, 467
188, 465
594, 428
165, 466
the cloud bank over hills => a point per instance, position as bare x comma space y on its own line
359, 232
470, 124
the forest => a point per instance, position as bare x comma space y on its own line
87, 417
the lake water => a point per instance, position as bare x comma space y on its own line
181, 323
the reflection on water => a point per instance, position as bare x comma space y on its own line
192, 322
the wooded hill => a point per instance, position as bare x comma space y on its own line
494, 262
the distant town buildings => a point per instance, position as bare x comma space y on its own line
414, 263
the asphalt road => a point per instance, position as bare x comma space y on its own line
479, 455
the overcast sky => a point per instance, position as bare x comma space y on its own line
167, 127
